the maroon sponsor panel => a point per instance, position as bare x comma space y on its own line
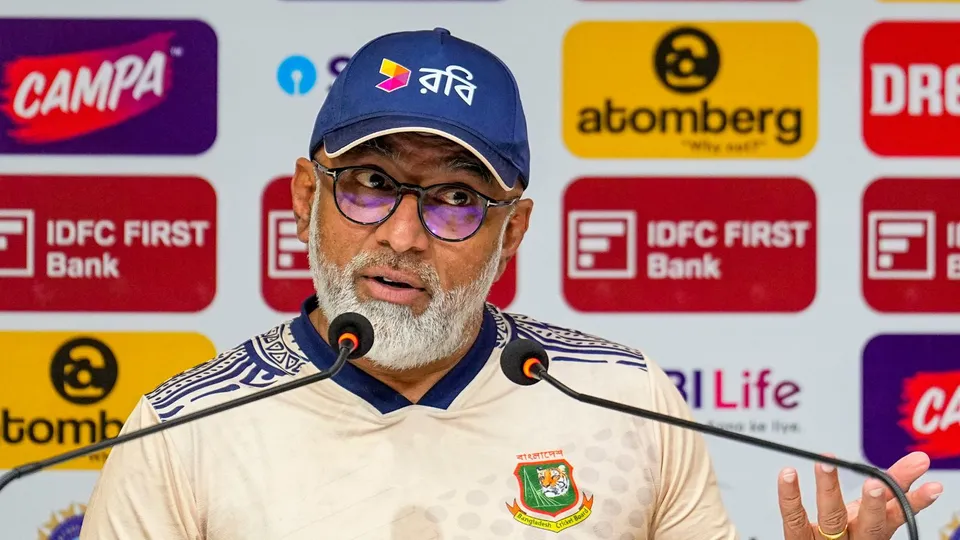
107, 243
911, 245
285, 269
689, 244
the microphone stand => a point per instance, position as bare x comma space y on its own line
23, 470
540, 372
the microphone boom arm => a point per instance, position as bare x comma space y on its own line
540, 372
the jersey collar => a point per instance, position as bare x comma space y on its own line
378, 394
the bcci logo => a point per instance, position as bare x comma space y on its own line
64, 524
952, 530
547, 489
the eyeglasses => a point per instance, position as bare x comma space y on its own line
450, 212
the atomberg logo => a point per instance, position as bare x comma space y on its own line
68, 390
97, 86
677, 90
911, 399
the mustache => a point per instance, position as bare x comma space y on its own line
396, 261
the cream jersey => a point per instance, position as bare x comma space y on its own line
349, 458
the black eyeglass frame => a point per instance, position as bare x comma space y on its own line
413, 189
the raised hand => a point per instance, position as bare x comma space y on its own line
874, 516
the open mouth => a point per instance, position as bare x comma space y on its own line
394, 284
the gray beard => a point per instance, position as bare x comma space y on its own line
402, 340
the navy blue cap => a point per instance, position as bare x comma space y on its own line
428, 82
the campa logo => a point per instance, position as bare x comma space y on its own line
911, 406
97, 86
685, 90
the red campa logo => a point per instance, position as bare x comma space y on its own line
54, 98
931, 413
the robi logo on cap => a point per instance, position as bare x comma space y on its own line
397, 76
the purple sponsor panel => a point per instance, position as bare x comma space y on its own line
108, 87
910, 398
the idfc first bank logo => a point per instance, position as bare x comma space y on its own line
911, 398
107, 86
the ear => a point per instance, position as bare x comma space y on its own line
302, 189
516, 229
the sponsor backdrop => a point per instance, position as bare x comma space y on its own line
764, 198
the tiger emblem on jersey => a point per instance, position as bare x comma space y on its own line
550, 498
554, 481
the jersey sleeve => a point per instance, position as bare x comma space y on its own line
688, 502
143, 491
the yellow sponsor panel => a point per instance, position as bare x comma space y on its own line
64, 390
734, 90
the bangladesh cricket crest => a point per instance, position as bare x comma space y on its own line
548, 493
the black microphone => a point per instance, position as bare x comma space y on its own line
525, 362
351, 332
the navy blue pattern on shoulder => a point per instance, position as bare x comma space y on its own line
505, 332
255, 364
566, 345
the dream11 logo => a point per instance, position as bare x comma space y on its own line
754, 391
107, 87
911, 88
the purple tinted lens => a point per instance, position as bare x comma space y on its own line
365, 196
368, 196
452, 222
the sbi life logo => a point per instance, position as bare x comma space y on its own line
297, 75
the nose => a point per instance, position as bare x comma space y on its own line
403, 231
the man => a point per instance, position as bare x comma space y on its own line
411, 205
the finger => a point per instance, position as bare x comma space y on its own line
919, 499
831, 510
796, 525
872, 516
906, 471
853, 510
